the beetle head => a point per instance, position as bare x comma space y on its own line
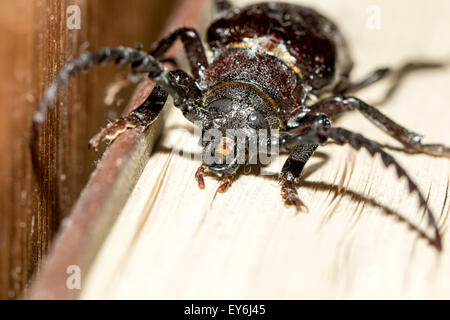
232, 137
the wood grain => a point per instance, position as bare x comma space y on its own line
109, 185
360, 238
35, 44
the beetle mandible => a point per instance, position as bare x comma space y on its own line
276, 67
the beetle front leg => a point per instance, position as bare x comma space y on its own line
192, 45
293, 167
179, 85
200, 175
144, 115
141, 62
290, 174
185, 94
225, 182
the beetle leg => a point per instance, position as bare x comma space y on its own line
357, 141
372, 78
176, 83
144, 115
290, 174
296, 161
335, 105
398, 75
85, 62
200, 175
225, 183
192, 45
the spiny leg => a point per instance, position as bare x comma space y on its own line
290, 174
343, 136
144, 115
335, 105
141, 63
192, 45
200, 175
293, 167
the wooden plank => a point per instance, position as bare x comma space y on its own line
107, 189
28, 226
36, 44
359, 239
15, 211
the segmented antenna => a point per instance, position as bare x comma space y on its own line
357, 141
139, 60
342, 136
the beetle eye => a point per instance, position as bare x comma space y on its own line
256, 119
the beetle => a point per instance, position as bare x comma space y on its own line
277, 67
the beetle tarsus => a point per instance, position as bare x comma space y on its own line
113, 130
290, 196
144, 115
200, 176
225, 183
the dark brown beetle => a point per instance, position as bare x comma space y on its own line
277, 67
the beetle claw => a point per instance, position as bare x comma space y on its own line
199, 176
225, 183
112, 131
291, 198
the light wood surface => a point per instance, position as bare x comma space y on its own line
358, 240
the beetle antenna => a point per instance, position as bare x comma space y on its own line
357, 141
119, 55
